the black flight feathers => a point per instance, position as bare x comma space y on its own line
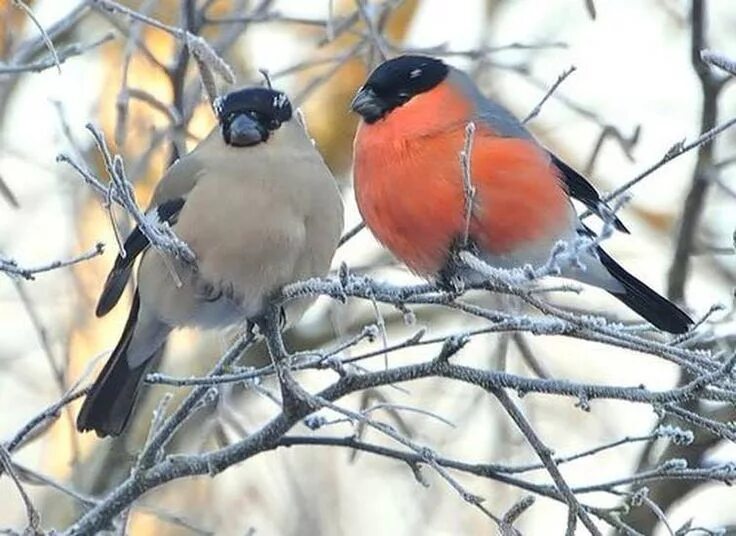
134, 245
656, 309
579, 188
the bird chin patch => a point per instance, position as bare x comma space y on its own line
247, 139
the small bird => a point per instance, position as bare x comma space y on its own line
409, 184
258, 207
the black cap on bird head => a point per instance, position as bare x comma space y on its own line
395, 82
248, 116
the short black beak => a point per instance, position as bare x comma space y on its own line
369, 105
245, 131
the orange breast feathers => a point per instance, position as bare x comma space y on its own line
409, 184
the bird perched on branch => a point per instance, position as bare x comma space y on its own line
258, 207
412, 192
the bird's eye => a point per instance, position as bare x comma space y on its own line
273, 124
416, 73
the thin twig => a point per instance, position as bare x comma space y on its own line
56, 61
46, 38
11, 267
711, 87
350, 234
34, 518
719, 60
466, 158
563, 76
577, 511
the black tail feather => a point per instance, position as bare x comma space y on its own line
110, 402
656, 309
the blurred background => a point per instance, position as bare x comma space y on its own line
634, 94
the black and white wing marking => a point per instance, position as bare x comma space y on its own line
135, 244
579, 188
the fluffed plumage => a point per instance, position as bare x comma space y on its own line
409, 183
259, 209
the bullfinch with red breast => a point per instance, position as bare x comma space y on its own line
410, 193
259, 209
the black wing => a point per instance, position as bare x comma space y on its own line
579, 188
134, 245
